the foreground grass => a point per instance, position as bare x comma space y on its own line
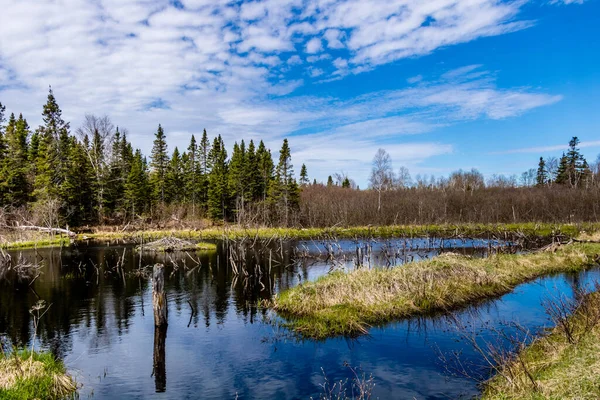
348, 303
560, 368
39, 377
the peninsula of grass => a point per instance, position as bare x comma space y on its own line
553, 367
41, 376
348, 303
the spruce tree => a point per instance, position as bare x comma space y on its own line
192, 175
204, 165
542, 174
346, 183
76, 188
329, 181
174, 179
303, 176
52, 153
265, 171
251, 173
218, 196
562, 174
16, 166
159, 162
136, 186
285, 189
237, 178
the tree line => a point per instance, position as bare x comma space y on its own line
96, 177
51, 177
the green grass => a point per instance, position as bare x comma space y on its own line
560, 369
348, 303
39, 243
39, 377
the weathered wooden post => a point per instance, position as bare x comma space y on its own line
159, 297
159, 303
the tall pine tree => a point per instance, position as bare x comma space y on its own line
159, 162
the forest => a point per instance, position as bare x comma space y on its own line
51, 176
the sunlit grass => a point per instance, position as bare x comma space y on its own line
348, 303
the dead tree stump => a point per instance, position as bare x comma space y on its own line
159, 297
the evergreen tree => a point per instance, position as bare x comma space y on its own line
136, 186
329, 181
303, 176
218, 196
346, 183
284, 191
204, 165
52, 153
252, 173
192, 174
265, 171
159, 161
3, 155
76, 189
237, 178
174, 179
542, 174
16, 167
562, 173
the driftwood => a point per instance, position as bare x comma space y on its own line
45, 229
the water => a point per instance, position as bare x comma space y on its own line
101, 323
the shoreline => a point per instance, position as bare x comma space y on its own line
493, 231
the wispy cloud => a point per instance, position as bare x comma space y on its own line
548, 149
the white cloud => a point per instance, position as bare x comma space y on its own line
314, 45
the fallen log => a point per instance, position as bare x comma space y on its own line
45, 229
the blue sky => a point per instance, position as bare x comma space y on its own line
439, 84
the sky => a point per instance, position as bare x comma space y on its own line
440, 85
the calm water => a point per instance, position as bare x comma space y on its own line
219, 345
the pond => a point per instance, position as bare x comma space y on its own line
220, 345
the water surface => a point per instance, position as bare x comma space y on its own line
219, 344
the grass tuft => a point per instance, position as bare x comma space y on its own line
37, 376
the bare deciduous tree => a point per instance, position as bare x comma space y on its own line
382, 175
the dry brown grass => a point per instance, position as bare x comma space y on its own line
348, 303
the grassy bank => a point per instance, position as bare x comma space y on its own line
554, 367
39, 377
451, 230
500, 231
348, 303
